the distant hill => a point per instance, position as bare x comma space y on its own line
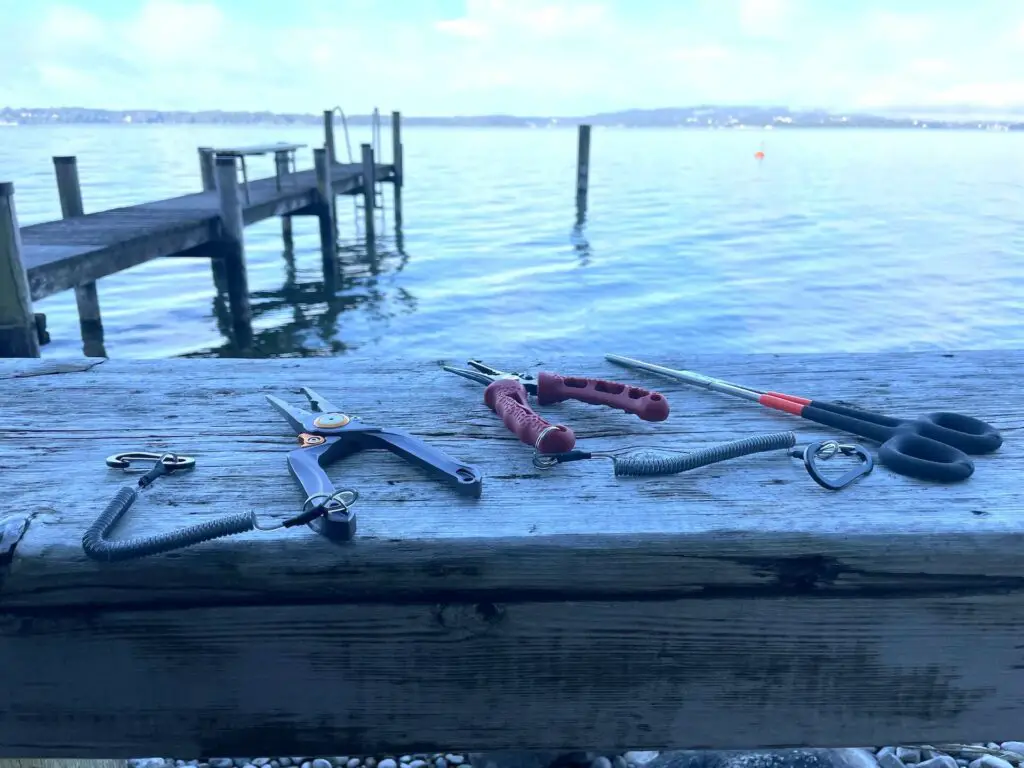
701, 116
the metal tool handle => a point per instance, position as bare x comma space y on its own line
465, 478
507, 398
647, 405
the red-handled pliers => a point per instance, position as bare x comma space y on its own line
506, 395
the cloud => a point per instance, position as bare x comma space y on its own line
515, 56
764, 18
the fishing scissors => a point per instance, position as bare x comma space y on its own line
327, 435
933, 447
507, 395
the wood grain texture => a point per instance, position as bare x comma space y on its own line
51, 763
735, 606
59, 255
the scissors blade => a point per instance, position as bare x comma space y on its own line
300, 419
318, 402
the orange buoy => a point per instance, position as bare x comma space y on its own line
759, 155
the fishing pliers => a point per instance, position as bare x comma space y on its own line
326, 435
507, 393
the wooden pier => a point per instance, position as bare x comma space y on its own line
738, 606
74, 252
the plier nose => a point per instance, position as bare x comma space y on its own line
486, 375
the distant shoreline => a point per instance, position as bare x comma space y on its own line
681, 118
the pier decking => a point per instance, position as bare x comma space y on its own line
736, 606
61, 255
74, 252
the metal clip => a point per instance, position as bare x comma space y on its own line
171, 462
825, 450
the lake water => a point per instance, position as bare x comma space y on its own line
836, 241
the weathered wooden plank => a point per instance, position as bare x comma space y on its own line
257, 149
86, 265
736, 606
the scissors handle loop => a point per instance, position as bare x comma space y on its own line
970, 435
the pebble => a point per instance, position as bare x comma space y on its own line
222, 762
991, 761
440, 763
942, 761
889, 760
908, 755
1014, 746
619, 762
601, 762
387, 762
640, 757
370, 762
259, 762
418, 763
405, 759
284, 762
454, 759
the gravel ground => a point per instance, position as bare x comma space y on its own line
1008, 754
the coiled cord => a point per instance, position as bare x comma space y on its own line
98, 547
646, 463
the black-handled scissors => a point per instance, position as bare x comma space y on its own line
931, 447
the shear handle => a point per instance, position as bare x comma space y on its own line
465, 478
338, 522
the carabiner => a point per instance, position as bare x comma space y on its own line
826, 449
171, 462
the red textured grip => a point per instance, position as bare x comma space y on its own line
649, 406
507, 398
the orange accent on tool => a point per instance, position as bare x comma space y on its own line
794, 406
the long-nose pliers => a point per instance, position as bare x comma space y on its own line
507, 393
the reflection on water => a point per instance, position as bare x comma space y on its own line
303, 318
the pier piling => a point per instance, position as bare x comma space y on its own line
18, 334
206, 169
332, 158
369, 198
396, 160
90, 321
232, 248
582, 172
325, 214
281, 172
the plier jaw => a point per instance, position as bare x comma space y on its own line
486, 375
323, 418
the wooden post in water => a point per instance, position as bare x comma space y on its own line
232, 251
206, 169
369, 198
18, 334
281, 166
332, 158
397, 160
582, 172
69, 191
328, 242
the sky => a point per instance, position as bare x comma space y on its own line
522, 57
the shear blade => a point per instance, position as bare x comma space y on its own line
318, 402
300, 419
